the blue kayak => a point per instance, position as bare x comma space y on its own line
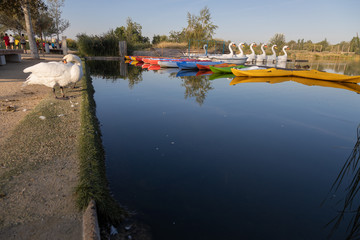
192, 65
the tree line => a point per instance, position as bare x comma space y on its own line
35, 17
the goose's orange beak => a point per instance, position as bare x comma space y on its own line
64, 61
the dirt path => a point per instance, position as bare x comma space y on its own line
38, 159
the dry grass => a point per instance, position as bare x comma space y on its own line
171, 45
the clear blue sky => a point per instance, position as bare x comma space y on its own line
237, 20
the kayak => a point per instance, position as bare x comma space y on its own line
192, 65
207, 67
172, 62
227, 69
314, 74
269, 72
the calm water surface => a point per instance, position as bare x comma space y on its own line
203, 159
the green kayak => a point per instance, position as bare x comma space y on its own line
224, 69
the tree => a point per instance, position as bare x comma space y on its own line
200, 27
13, 13
59, 24
355, 44
324, 44
159, 38
43, 25
131, 33
278, 39
29, 29
177, 36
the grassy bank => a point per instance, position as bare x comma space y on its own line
93, 182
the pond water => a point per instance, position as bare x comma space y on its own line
212, 159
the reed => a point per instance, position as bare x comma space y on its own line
171, 45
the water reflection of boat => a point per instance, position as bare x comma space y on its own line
271, 80
313, 74
221, 75
168, 70
202, 73
186, 73
342, 85
306, 81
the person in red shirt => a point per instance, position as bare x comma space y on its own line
7, 41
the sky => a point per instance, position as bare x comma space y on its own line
237, 20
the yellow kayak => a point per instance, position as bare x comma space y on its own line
314, 74
270, 72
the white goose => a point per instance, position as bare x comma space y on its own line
283, 58
261, 58
51, 74
240, 46
252, 56
272, 58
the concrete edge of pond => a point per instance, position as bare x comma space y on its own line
91, 230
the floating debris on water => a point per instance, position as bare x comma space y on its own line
113, 230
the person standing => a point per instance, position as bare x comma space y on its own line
23, 42
6, 40
12, 41
17, 43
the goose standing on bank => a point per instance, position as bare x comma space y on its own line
261, 58
252, 56
272, 58
52, 74
283, 58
